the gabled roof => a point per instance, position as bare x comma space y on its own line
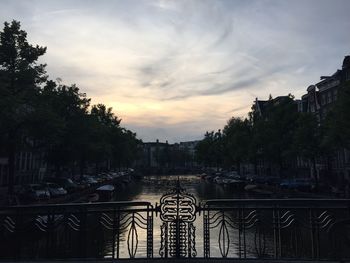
263, 104
346, 62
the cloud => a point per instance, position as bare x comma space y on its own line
185, 66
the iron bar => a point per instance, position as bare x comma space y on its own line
270, 228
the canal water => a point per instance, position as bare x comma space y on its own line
151, 189
98, 240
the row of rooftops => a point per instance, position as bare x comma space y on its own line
330, 81
188, 144
326, 83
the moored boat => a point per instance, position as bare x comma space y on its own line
105, 192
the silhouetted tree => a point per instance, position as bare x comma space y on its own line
337, 123
307, 139
20, 77
210, 150
274, 130
237, 139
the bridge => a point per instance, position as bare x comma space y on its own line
179, 228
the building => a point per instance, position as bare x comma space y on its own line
154, 154
319, 99
190, 148
165, 158
262, 106
30, 167
285, 166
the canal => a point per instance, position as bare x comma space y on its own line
280, 228
151, 189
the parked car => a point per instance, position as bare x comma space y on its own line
106, 176
305, 184
99, 179
301, 184
233, 175
34, 192
89, 179
66, 183
55, 190
251, 177
271, 180
81, 184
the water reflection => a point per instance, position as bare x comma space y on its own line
152, 188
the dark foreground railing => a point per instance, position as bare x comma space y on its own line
277, 229
98, 230
246, 229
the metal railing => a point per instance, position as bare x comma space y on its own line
277, 229
317, 229
113, 230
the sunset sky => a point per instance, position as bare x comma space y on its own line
175, 69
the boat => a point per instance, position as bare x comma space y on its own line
92, 198
233, 183
105, 192
250, 187
218, 180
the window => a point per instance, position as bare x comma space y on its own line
323, 99
329, 97
23, 161
335, 94
312, 108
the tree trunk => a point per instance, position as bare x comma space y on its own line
57, 170
238, 163
315, 172
81, 167
255, 166
11, 166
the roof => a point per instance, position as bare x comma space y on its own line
262, 104
346, 62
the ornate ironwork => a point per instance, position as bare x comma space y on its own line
234, 228
279, 229
178, 212
9, 224
77, 231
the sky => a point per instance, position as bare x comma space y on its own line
173, 70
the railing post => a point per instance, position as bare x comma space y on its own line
50, 224
166, 240
279, 232
206, 234
83, 231
149, 231
275, 227
240, 222
312, 231
118, 232
244, 231
317, 230
113, 232
19, 229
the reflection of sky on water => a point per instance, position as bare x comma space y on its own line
152, 188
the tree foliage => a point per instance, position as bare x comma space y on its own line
237, 141
210, 150
337, 123
56, 119
277, 134
20, 77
